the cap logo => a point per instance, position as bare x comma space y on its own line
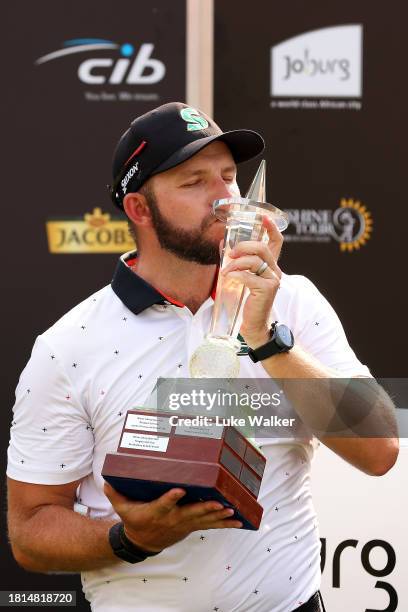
129, 174
193, 119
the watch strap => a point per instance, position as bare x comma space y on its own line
270, 348
124, 548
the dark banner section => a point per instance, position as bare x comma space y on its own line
325, 87
75, 76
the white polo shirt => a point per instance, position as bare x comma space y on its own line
103, 358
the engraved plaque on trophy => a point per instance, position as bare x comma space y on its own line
209, 460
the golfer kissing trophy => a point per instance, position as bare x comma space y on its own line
210, 461
217, 356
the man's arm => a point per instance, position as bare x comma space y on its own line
47, 535
373, 455
314, 403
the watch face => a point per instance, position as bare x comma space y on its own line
284, 336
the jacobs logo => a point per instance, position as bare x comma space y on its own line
96, 232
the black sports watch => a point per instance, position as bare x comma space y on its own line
281, 341
124, 548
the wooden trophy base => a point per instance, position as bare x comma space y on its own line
202, 482
208, 461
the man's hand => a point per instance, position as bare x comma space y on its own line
247, 258
161, 523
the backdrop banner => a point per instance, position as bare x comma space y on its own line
324, 86
74, 78
362, 528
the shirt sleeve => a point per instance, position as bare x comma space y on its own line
320, 333
51, 438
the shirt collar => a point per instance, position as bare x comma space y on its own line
136, 293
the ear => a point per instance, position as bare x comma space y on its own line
136, 208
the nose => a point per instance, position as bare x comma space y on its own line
224, 190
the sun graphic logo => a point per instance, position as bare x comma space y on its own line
352, 225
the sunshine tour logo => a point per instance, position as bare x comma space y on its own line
134, 67
350, 225
95, 232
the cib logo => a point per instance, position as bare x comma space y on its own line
134, 67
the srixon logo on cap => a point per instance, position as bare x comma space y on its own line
128, 176
143, 69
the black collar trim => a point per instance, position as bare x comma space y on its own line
133, 291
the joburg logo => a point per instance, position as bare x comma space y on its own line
134, 67
96, 232
319, 63
350, 225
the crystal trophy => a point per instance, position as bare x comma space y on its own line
217, 356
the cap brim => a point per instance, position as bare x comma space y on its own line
243, 144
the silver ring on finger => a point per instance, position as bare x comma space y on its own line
261, 268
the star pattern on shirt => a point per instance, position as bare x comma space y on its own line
317, 323
204, 540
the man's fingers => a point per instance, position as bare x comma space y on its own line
275, 236
114, 497
251, 263
226, 524
252, 281
166, 503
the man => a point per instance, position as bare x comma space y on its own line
103, 358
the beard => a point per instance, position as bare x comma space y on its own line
187, 245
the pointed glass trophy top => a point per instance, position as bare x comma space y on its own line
253, 204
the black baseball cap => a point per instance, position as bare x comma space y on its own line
167, 136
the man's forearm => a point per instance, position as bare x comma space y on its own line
373, 447
58, 539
